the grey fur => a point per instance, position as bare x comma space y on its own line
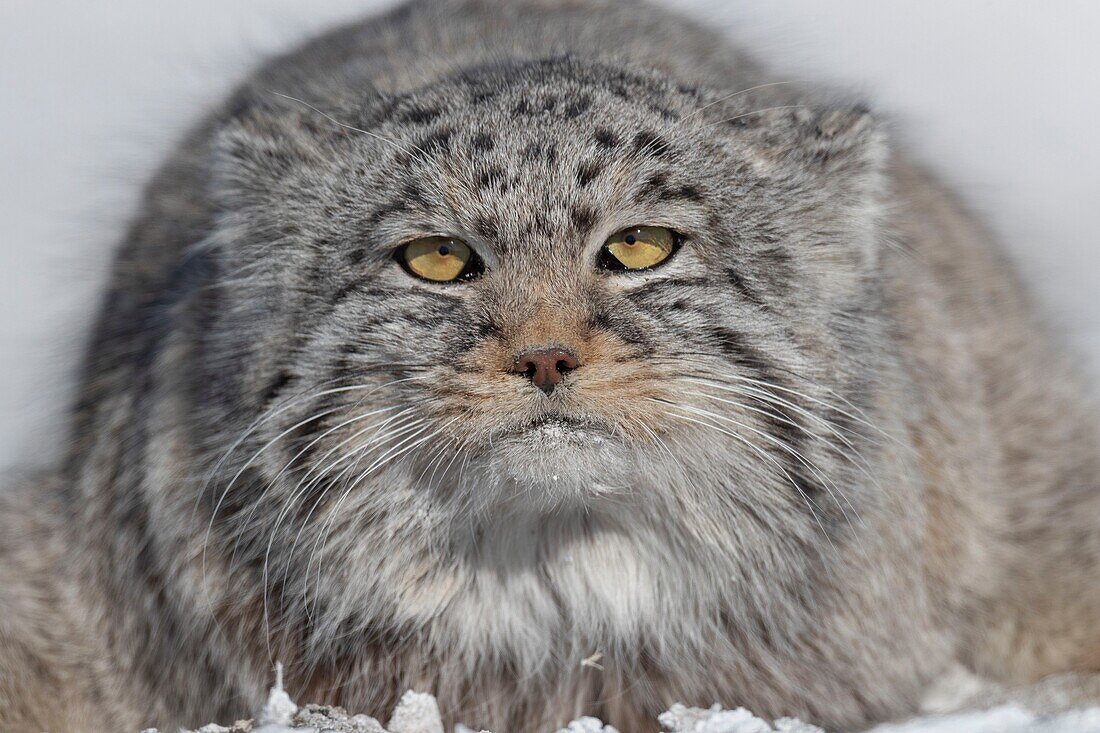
287, 448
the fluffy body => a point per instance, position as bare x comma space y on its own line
822, 455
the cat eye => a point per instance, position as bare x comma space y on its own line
638, 248
440, 259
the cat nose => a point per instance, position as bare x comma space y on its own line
545, 367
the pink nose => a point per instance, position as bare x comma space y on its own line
545, 367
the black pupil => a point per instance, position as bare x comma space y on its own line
444, 250
630, 239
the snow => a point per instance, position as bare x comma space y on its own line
419, 713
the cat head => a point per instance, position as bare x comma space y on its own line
542, 286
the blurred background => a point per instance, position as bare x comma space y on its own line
1000, 96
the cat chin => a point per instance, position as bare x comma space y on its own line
561, 462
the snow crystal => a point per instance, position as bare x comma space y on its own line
416, 713
588, 725
682, 719
419, 713
280, 709
1007, 719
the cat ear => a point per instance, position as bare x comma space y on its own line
841, 137
835, 140
251, 155
829, 164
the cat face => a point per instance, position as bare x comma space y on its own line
546, 374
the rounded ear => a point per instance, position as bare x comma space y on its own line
841, 137
828, 164
835, 139
251, 155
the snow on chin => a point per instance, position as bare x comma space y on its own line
562, 460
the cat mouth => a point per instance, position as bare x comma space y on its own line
561, 428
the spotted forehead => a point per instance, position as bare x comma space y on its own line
529, 154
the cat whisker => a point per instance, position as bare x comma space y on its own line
273, 535
737, 94
359, 452
754, 112
251, 460
305, 394
852, 455
303, 486
761, 391
300, 453
828, 484
393, 454
860, 417
811, 505
402, 145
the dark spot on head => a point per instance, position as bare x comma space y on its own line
689, 192
486, 227
481, 95
537, 225
651, 144
588, 172
578, 106
532, 152
654, 186
419, 115
493, 177
523, 108
356, 256
391, 207
413, 193
482, 142
438, 140
584, 218
605, 138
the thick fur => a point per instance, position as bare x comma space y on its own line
822, 456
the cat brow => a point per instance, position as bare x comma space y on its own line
384, 138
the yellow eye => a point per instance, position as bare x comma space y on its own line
638, 248
439, 259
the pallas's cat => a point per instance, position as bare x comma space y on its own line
554, 358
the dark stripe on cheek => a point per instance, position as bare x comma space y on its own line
282, 379
743, 288
734, 346
627, 331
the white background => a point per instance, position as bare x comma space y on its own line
1001, 96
